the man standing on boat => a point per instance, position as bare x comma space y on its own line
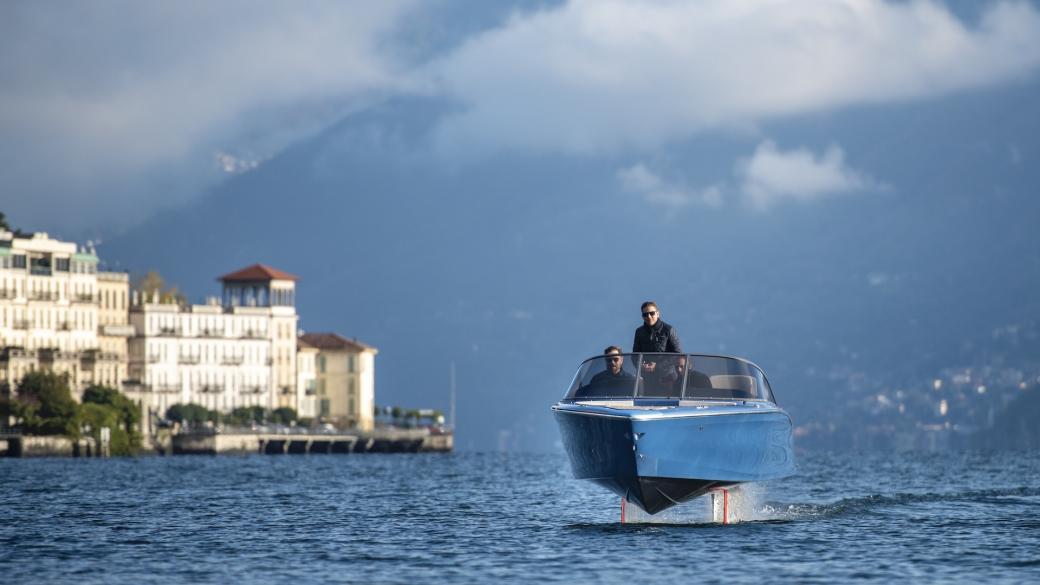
655, 336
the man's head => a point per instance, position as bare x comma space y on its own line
614, 359
650, 313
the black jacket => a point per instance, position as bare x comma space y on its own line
662, 337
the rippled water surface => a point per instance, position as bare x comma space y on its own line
466, 518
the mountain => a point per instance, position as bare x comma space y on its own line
517, 266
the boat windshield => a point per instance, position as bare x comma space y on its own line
669, 375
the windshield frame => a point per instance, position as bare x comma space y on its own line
633, 363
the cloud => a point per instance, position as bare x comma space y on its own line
110, 110
596, 76
656, 190
766, 178
770, 175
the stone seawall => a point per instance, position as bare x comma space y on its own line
33, 446
376, 441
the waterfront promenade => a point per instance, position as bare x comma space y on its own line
245, 442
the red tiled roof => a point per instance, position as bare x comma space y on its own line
257, 272
334, 341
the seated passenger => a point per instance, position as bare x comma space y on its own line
614, 381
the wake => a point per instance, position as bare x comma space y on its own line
747, 503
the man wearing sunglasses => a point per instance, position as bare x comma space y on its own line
656, 336
613, 381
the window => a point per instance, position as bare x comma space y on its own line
324, 407
321, 364
18, 260
352, 363
61, 264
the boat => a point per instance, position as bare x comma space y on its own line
660, 429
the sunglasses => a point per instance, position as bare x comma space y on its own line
614, 360
649, 314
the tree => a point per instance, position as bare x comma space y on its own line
284, 415
152, 284
127, 416
3, 223
47, 406
191, 413
246, 415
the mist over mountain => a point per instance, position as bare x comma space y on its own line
516, 266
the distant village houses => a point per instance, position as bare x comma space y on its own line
60, 313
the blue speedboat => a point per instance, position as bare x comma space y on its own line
662, 429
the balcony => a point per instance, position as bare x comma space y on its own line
84, 298
7, 293
9, 353
167, 332
211, 333
251, 390
233, 360
167, 388
154, 359
43, 295
253, 334
23, 324
188, 359
113, 330
211, 389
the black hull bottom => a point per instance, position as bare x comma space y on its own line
654, 494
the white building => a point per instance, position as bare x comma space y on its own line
237, 351
306, 379
50, 313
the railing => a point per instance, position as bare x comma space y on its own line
154, 359
188, 359
84, 298
7, 293
251, 390
43, 295
253, 334
23, 324
11, 352
166, 388
233, 360
211, 389
211, 333
167, 332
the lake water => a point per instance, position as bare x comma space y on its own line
468, 517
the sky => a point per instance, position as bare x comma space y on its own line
110, 112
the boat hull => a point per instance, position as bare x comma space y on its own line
659, 458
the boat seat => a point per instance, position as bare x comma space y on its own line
737, 383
